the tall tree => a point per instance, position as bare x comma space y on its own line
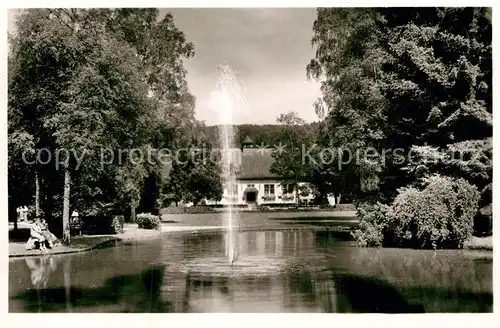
195, 175
288, 160
85, 79
349, 64
397, 78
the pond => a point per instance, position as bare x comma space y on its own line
277, 271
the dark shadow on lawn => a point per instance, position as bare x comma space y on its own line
134, 293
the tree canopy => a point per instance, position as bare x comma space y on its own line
401, 78
86, 84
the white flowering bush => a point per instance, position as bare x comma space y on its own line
439, 216
148, 221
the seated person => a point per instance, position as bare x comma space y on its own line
36, 236
49, 236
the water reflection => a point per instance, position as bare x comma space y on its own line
136, 293
298, 271
41, 268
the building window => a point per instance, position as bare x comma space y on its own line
269, 189
251, 186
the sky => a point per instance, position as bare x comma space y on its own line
269, 48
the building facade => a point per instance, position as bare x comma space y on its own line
255, 184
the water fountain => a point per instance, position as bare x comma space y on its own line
228, 102
229, 98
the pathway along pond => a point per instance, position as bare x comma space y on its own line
278, 271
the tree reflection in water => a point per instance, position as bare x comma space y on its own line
317, 273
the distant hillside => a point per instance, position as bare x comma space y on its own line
267, 134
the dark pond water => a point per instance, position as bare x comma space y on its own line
278, 271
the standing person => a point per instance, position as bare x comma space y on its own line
75, 222
19, 216
25, 213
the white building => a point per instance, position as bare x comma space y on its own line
255, 184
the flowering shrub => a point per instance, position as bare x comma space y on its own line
117, 224
439, 216
372, 225
148, 221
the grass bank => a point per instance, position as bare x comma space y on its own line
480, 243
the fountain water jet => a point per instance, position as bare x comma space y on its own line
229, 100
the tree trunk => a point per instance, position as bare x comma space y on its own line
37, 196
66, 231
297, 193
132, 213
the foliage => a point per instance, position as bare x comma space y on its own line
439, 216
395, 78
265, 134
93, 225
198, 209
148, 221
305, 190
117, 223
483, 221
84, 79
349, 65
288, 162
195, 175
373, 224
416, 82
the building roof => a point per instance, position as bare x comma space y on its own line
252, 164
256, 164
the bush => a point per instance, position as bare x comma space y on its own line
100, 225
198, 209
117, 223
372, 225
96, 225
439, 216
148, 221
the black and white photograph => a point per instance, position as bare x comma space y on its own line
249, 160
